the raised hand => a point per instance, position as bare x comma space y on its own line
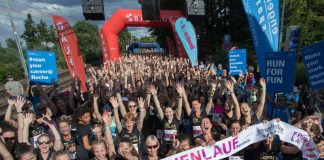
180, 89
95, 95
114, 102
229, 86
11, 101
28, 119
141, 102
175, 143
106, 117
213, 84
262, 83
20, 103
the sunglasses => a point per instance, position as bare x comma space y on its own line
131, 106
9, 138
44, 142
151, 147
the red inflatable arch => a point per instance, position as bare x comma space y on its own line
133, 18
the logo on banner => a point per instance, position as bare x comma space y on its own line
237, 61
187, 35
41, 67
313, 57
263, 19
280, 67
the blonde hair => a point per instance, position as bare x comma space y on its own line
129, 117
151, 138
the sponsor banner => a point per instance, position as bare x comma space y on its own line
263, 19
253, 134
187, 35
280, 69
71, 50
41, 67
237, 61
313, 57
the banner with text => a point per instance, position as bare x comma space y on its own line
71, 50
237, 61
313, 57
280, 72
187, 35
253, 134
263, 19
41, 67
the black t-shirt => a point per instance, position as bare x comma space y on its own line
146, 157
227, 120
70, 143
195, 122
262, 154
170, 128
34, 132
254, 120
133, 136
39, 156
216, 136
85, 130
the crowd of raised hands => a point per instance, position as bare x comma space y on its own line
149, 107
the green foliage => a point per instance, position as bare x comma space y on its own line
88, 41
30, 33
147, 39
125, 38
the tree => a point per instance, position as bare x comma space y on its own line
148, 39
88, 41
42, 33
11, 43
30, 33
124, 39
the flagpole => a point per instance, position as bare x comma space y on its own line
281, 23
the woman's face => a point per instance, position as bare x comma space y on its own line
132, 107
195, 106
268, 141
125, 148
168, 112
65, 128
44, 144
129, 125
61, 104
85, 118
185, 145
245, 109
100, 151
205, 126
98, 131
152, 147
235, 129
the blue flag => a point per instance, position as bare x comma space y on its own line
313, 57
188, 38
237, 61
41, 67
280, 75
263, 19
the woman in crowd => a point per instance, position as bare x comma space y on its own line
208, 137
68, 137
152, 148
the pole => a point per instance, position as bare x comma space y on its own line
281, 23
21, 55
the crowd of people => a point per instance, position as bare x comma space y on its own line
149, 108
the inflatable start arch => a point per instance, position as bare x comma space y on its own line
133, 18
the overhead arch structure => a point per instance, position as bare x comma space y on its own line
133, 18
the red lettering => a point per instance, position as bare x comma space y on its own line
235, 142
217, 151
193, 156
230, 147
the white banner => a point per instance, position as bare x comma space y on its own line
253, 134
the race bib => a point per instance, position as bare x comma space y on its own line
168, 134
196, 131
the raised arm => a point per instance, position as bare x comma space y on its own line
237, 112
180, 91
106, 118
8, 113
115, 105
121, 105
5, 154
50, 103
95, 105
58, 145
19, 104
210, 97
260, 108
28, 118
187, 105
153, 92
142, 114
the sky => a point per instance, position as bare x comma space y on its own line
71, 10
